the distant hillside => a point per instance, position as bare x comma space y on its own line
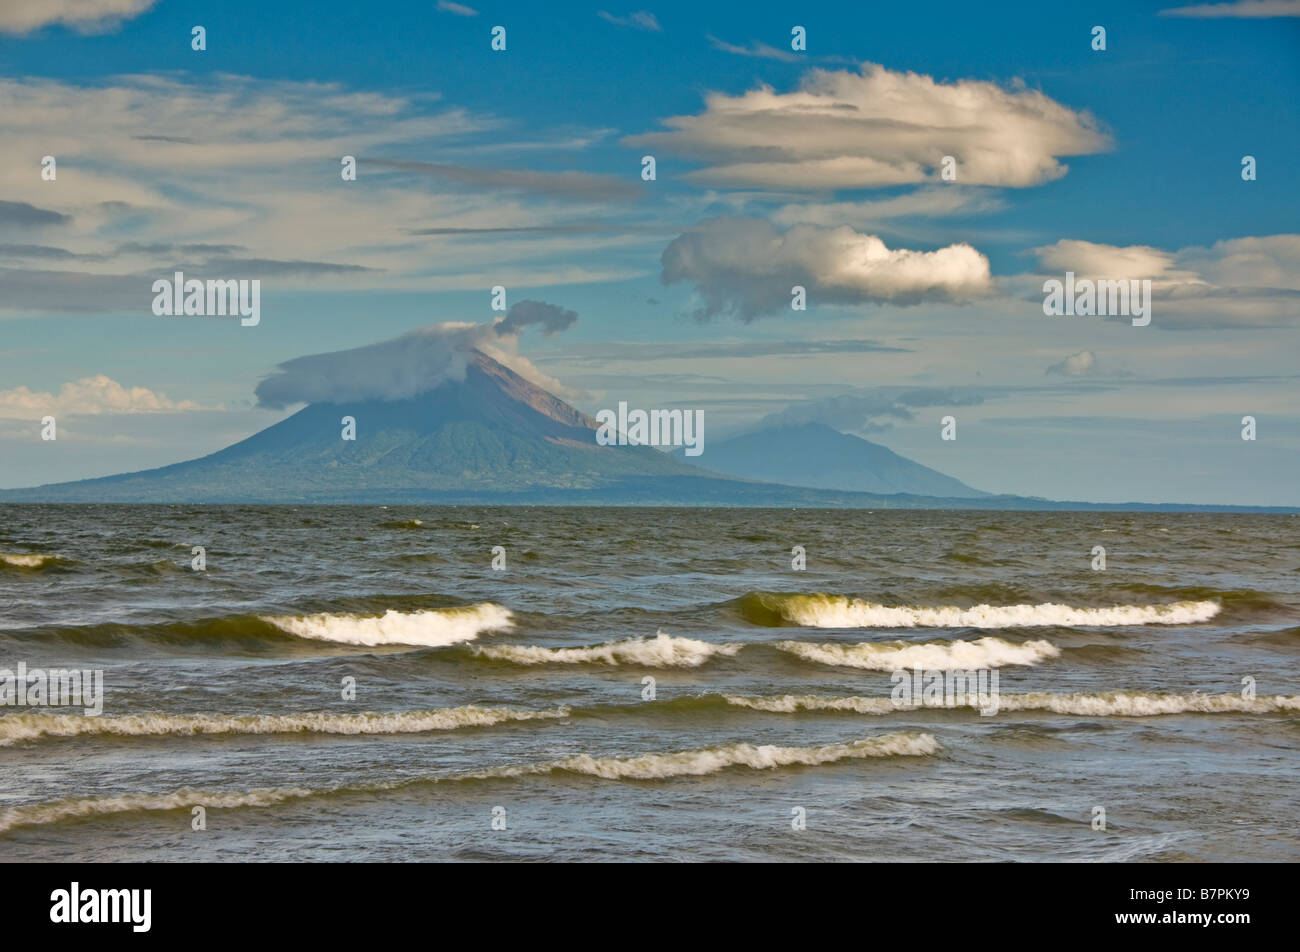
819, 457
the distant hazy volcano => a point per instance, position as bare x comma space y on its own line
817, 456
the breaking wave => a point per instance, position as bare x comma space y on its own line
661, 651
31, 560
838, 611
690, 763
696, 763
431, 628
71, 809
939, 655
1110, 704
16, 728
665, 651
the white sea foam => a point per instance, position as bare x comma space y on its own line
695, 763
987, 652
793, 703
29, 560
1122, 704
1109, 704
836, 611
16, 728
434, 627
661, 651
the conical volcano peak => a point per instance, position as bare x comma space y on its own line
493, 373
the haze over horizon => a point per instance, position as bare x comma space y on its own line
479, 168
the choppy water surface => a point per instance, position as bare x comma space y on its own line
525, 688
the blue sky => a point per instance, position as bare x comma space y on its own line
522, 168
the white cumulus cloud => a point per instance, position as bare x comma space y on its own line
1088, 259
88, 396
878, 127
747, 267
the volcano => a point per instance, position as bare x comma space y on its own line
491, 433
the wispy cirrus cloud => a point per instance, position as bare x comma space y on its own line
1241, 9
756, 49
258, 162
459, 9
640, 20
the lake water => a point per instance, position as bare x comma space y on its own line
505, 713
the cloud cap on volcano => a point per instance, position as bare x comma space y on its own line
396, 369
414, 363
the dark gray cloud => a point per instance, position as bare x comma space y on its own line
77, 292
574, 228
189, 257
73, 292
29, 216
167, 248
46, 252
269, 267
550, 317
